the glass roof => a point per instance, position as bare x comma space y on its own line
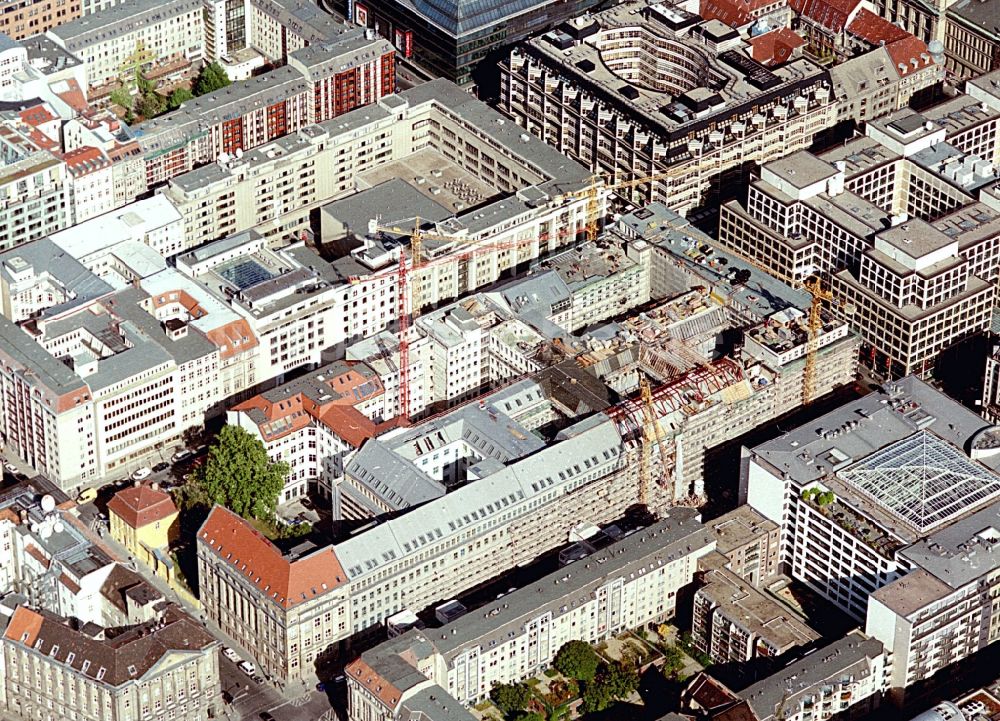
923, 480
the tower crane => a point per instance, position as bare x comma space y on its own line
652, 433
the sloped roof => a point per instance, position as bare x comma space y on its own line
731, 12
284, 581
113, 661
775, 47
141, 505
831, 14
874, 28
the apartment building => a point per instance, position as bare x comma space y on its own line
734, 622
35, 192
630, 583
883, 502
29, 17
316, 422
843, 680
169, 30
165, 668
609, 71
91, 183
346, 71
750, 543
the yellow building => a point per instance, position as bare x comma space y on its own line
144, 520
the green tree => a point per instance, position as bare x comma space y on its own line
120, 96
178, 96
510, 697
596, 697
151, 105
576, 659
619, 679
240, 476
212, 77
529, 716
673, 661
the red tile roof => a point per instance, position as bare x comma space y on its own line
874, 28
831, 14
732, 12
85, 160
283, 581
24, 626
353, 426
37, 554
378, 686
36, 115
775, 47
139, 506
909, 55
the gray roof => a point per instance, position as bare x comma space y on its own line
45, 257
433, 704
396, 480
394, 202
850, 655
36, 361
678, 534
761, 296
963, 551
801, 169
120, 19
191, 346
473, 506
981, 14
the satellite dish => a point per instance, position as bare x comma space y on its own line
48, 503
58, 527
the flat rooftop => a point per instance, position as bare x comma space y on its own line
434, 177
897, 456
916, 238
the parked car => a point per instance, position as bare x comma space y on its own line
266, 716
10, 467
160, 467
230, 654
181, 455
306, 503
141, 473
321, 687
87, 495
339, 679
248, 668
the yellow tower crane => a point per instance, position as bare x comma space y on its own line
652, 433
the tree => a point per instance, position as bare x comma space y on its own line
673, 661
211, 78
510, 697
619, 679
240, 476
151, 105
576, 659
178, 96
529, 716
595, 698
121, 96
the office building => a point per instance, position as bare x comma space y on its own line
153, 222
628, 584
165, 668
169, 30
890, 507
610, 71
460, 41
902, 221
